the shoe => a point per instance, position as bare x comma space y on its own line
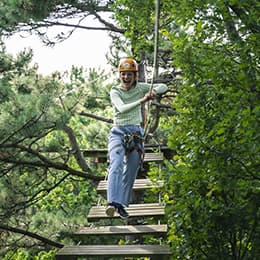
110, 210
122, 212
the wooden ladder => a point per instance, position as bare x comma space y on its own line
138, 211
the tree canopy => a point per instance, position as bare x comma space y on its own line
208, 54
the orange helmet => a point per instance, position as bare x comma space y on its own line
128, 64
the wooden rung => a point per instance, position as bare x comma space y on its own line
122, 230
134, 210
148, 157
140, 184
71, 252
153, 157
103, 152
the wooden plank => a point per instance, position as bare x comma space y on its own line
102, 152
148, 157
153, 157
140, 184
122, 230
70, 252
134, 210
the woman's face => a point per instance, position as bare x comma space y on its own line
127, 79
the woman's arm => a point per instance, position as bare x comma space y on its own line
160, 88
120, 105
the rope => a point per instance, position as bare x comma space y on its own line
155, 61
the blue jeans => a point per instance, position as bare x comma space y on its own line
123, 166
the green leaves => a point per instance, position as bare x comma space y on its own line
42, 135
139, 32
215, 171
211, 184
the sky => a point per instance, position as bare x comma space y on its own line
85, 48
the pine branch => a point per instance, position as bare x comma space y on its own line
44, 162
100, 118
31, 234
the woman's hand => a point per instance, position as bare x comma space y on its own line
148, 96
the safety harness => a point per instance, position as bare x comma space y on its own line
133, 141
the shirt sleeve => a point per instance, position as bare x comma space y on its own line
119, 104
159, 88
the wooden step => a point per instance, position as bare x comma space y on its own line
140, 184
101, 157
72, 252
134, 210
153, 157
103, 152
122, 230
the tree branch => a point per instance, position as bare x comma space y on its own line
78, 26
31, 234
246, 19
108, 25
45, 162
230, 26
76, 150
100, 118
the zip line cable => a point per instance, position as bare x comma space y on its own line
156, 41
155, 59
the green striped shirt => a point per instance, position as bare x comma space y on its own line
127, 105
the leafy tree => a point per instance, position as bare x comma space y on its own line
214, 180
212, 184
38, 17
45, 121
46, 185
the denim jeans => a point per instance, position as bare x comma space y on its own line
123, 166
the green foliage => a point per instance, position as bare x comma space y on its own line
213, 181
41, 129
212, 184
24, 255
15, 12
139, 31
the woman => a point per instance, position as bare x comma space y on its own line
125, 138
